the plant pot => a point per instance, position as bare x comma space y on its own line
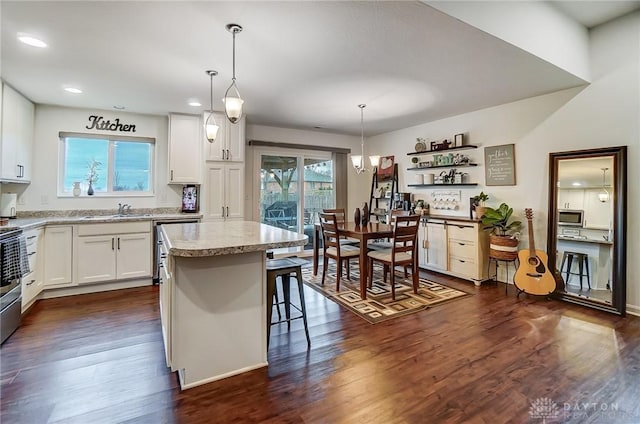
480, 210
504, 248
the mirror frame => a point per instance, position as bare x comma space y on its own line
619, 199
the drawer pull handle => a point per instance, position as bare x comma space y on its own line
31, 237
31, 282
32, 253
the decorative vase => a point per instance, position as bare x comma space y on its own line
356, 217
90, 189
365, 215
76, 188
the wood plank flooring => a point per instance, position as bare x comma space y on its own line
98, 358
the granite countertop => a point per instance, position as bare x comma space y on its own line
450, 218
585, 240
27, 223
227, 238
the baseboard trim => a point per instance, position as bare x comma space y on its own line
633, 310
94, 288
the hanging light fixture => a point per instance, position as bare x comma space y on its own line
232, 100
603, 196
210, 126
358, 160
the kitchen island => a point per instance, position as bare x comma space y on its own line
213, 297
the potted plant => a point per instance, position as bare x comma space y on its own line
503, 240
479, 201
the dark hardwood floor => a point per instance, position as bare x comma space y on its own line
485, 358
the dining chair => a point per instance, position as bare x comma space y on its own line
341, 217
386, 244
334, 249
403, 251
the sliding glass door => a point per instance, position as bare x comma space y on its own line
294, 187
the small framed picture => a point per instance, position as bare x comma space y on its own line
190, 198
457, 140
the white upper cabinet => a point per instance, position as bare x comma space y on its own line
16, 141
185, 135
597, 214
571, 199
229, 144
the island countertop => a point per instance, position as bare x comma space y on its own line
227, 238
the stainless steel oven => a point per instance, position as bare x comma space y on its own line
13, 265
157, 241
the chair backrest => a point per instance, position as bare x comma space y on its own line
405, 234
339, 213
329, 224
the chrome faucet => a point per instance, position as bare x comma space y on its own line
123, 209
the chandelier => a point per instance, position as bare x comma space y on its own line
358, 160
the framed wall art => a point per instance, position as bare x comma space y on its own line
500, 165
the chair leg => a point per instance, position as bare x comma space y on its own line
586, 265
385, 271
405, 271
271, 284
276, 301
393, 283
569, 260
325, 265
339, 263
415, 278
302, 305
370, 268
286, 290
348, 271
580, 269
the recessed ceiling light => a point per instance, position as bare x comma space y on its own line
119, 107
576, 184
31, 41
73, 90
195, 104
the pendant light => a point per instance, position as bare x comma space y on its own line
358, 160
232, 100
210, 126
603, 196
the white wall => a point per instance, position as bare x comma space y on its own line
311, 139
535, 26
605, 113
49, 121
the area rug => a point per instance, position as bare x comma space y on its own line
379, 306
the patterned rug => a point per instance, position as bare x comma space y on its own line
379, 306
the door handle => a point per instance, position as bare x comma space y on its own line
228, 154
227, 211
118, 243
172, 175
112, 242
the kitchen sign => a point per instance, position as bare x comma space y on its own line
500, 165
98, 123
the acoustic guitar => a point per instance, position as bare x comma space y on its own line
533, 275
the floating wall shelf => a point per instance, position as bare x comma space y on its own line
420, 168
431, 152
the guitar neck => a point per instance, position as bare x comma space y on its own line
532, 243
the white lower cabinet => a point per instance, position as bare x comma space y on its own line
33, 282
458, 248
224, 191
58, 256
107, 252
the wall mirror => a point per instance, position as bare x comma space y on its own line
587, 227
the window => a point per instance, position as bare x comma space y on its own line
121, 165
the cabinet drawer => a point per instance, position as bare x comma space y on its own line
462, 232
462, 249
118, 228
462, 266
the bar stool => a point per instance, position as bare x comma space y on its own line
283, 268
582, 258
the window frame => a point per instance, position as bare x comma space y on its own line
112, 139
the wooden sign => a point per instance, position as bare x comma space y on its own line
500, 165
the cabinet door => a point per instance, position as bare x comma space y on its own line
570, 199
58, 248
133, 255
95, 259
185, 143
234, 188
17, 136
215, 192
217, 150
597, 214
235, 141
422, 244
436, 252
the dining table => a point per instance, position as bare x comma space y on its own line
362, 233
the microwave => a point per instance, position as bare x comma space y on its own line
571, 217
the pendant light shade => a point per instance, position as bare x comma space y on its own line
358, 160
210, 126
603, 196
232, 100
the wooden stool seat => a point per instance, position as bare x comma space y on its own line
283, 268
583, 260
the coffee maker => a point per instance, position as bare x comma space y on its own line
402, 201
